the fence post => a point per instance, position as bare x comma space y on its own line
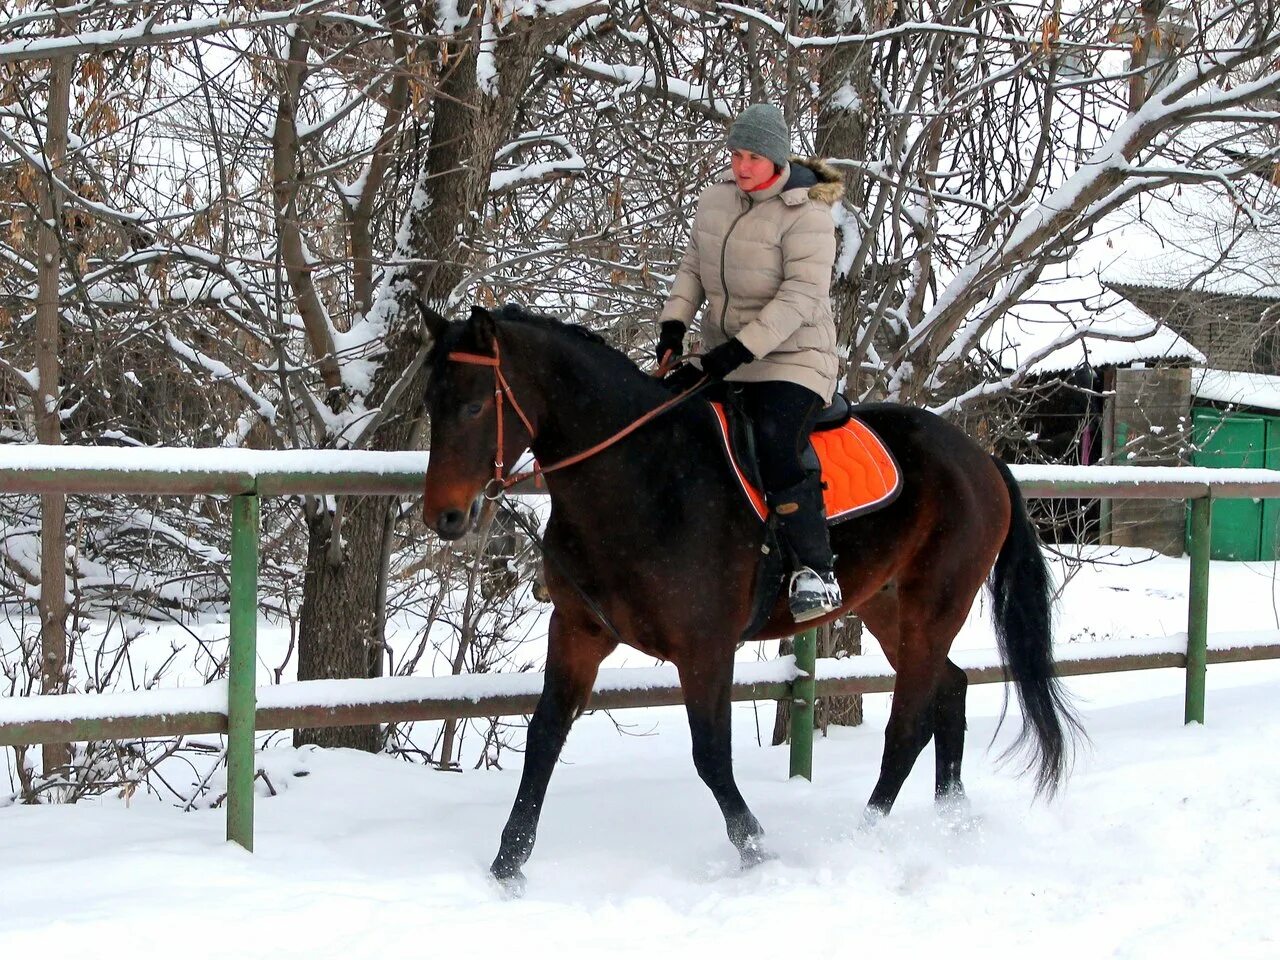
803, 694
1198, 608
241, 670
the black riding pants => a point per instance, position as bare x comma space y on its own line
783, 414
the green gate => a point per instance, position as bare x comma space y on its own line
1242, 529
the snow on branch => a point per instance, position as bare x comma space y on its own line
896, 32
149, 33
1104, 181
221, 372
503, 181
698, 97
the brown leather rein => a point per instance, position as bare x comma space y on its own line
503, 394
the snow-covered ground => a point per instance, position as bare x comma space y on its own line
1164, 843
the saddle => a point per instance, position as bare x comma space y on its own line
859, 476
859, 473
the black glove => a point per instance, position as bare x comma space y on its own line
682, 378
726, 358
671, 340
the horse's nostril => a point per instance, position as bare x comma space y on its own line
452, 523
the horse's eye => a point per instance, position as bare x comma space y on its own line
473, 410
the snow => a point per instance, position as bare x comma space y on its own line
486, 63
207, 698
1031, 473
1235, 387
30, 458
366, 856
18, 459
1162, 844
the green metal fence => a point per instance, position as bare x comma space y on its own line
251, 476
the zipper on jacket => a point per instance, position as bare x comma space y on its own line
724, 282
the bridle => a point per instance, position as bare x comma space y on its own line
503, 394
498, 484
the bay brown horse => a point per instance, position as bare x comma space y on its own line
650, 540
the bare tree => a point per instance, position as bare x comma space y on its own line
251, 200
53, 533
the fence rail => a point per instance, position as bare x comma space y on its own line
246, 476
285, 706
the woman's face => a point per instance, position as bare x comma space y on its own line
750, 169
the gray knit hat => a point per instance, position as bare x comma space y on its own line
762, 129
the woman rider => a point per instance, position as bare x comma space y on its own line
761, 254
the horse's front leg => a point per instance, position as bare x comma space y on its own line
574, 652
707, 686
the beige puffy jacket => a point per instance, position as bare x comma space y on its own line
762, 261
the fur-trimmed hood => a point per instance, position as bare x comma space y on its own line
818, 180
828, 185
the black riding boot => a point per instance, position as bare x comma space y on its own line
802, 525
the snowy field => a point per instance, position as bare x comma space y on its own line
1164, 843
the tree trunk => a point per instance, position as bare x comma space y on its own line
844, 130
339, 629
840, 639
337, 596
53, 532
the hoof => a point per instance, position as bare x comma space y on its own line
872, 817
510, 883
955, 814
753, 853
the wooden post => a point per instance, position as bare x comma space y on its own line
1198, 608
804, 693
241, 670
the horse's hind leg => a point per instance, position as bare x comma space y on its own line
928, 688
707, 701
574, 653
948, 734
910, 726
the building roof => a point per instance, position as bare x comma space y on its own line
1189, 237
1071, 321
1232, 386
1198, 237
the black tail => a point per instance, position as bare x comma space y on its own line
1023, 610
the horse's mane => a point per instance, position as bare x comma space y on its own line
583, 352
599, 349
600, 354
515, 313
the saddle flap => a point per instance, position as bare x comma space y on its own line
859, 473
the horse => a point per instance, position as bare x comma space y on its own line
650, 542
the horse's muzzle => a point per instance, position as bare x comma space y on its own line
453, 523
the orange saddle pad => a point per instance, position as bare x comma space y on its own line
859, 473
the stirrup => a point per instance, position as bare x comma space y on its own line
813, 594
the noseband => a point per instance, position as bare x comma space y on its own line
503, 394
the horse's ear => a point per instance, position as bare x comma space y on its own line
435, 323
484, 325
